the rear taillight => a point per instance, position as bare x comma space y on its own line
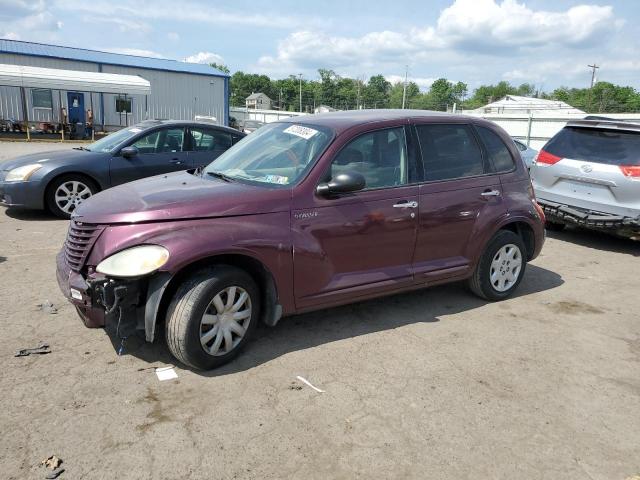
632, 171
546, 158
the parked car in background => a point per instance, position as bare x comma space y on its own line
526, 152
60, 181
589, 175
304, 214
249, 126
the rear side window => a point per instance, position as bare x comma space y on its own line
205, 140
449, 151
599, 146
498, 152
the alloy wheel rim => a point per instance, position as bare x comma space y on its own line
71, 194
225, 321
505, 267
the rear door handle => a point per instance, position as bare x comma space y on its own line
176, 161
411, 204
491, 193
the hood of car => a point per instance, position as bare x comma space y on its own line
56, 158
177, 196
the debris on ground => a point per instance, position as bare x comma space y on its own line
307, 383
42, 349
52, 462
48, 307
166, 373
295, 386
55, 474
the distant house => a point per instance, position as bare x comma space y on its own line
258, 101
324, 109
518, 105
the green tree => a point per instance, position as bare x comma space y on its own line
220, 66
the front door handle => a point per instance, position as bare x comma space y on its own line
412, 204
176, 161
491, 193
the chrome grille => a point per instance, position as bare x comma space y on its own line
80, 239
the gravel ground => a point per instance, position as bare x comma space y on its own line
432, 384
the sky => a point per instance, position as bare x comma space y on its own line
545, 42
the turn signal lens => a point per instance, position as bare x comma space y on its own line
546, 158
632, 171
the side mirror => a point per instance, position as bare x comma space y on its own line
344, 182
129, 152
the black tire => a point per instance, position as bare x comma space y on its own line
554, 226
50, 194
480, 281
189, 304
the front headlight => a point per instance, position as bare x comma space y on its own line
134, 262
22, 174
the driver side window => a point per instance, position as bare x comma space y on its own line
381, 157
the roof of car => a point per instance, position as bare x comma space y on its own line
345, 119
153, 123
605, 123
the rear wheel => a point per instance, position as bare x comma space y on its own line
65, 193
500, 268
212, 316
554, 226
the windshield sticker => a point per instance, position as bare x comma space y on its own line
302, 132
276, 179
135, 130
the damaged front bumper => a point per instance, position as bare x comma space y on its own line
125, 305
618, 224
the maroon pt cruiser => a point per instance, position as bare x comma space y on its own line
304, 214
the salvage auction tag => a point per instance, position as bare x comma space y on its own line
299, 131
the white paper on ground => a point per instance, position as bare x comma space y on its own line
308, 383
166, 373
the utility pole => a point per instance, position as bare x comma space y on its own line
358, 95
593, 73
300, 76
280, 100
404, 89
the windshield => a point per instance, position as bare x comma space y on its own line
111, 141
277, 154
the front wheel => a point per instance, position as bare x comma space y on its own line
500, 268
212, 316
65, 193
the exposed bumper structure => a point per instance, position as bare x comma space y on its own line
103, 302
621, 225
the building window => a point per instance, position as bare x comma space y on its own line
123, 105
41, 98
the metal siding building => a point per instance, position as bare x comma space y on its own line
179, 90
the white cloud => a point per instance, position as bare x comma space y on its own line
467, 26
138, 52
32, 18
422, 82
204, 57
123, 25
485, 23
187, 11
173, 36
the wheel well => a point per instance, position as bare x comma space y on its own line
526, 233
260, 274
65, 174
